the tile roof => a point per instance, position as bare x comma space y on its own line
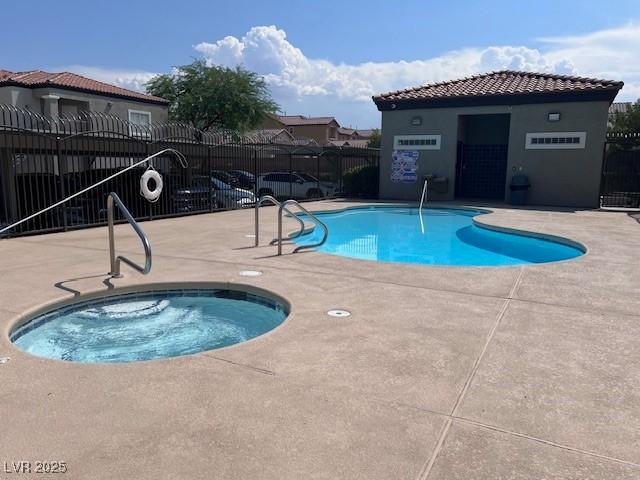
293, 120
350, 143
72, 81
619, 107
500, 84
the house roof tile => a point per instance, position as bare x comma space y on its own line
619, 107
293, 120
72, 81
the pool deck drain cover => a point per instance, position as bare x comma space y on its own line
250, 273
339, 313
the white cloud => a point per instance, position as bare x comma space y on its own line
314, 86
131, 79
320, 87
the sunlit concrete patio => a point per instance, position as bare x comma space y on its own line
524, 372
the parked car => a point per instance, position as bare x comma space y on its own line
296, 185
225, 177
196, 197
245, 179
229, 197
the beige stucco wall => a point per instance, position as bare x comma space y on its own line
558, 177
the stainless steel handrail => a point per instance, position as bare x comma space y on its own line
115, 261
283, 206
424, 195
181, 158
269, 198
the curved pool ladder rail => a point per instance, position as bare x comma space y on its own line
112, 200
424, 195
269, 198
283, 206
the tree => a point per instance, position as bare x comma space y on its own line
207, 97
374, 139
627, 122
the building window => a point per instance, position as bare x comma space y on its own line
332, 132
141, 119
555, 140
416, 142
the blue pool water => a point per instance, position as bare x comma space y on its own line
440, 237
144, 326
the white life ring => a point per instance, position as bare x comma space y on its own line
151, 195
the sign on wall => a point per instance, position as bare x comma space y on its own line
404, 164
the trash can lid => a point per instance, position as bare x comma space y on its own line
519, 180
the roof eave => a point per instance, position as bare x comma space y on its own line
603, 94
13, 83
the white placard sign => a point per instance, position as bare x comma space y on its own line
404, 164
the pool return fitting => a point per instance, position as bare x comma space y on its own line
150, 194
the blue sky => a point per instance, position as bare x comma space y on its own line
327, 57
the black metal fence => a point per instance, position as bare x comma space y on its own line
43, 160
620, 185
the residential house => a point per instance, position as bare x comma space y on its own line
320, 129
477, 133
618, 108
279, 136
354, 134
56, 94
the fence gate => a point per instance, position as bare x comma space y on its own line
620, 183
481, 171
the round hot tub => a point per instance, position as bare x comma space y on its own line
148, 325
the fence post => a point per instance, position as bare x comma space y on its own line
290, 175
602, 171
318, 174
210, 182
61, 176
255, 174
147, 149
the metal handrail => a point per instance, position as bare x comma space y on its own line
283, 206
181, 158
269, 198
424, 196
115, 261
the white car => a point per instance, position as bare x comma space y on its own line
293, 185
230, 197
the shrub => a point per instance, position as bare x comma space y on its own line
361, 181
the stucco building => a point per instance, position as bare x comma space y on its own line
477, 132
321, 129
57, 94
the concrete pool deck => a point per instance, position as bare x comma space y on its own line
524, 372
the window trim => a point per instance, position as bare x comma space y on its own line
532, 139
133, 131
432, 142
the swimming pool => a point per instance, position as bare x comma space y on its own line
149, 325
439, 236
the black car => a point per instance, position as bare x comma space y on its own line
225, 177
198, 196
244, 179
